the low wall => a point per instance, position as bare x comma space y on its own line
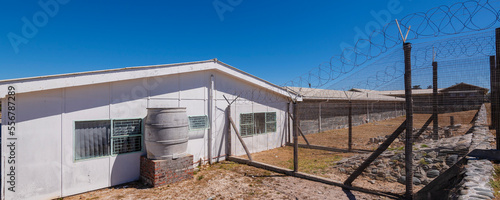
322, 116
444, 108
469, 178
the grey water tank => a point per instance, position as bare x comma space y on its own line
166, 133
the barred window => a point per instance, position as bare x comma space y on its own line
127, 136
246, 124
101, 138
257, 123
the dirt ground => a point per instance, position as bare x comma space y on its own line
361, 134
228, 180
321, 163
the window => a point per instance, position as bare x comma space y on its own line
92, 139
257, 123
101, 138
127, 136
198, 122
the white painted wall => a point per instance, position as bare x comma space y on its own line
46, 165
4, 156
38, 156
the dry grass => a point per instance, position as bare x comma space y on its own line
310, 160
321, 163
495, 183
227, 180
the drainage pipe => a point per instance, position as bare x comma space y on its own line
210, 117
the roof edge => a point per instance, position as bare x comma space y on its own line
101, 71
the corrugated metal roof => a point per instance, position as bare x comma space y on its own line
402, 92
415, 91
325, 94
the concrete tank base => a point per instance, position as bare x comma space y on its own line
163, 172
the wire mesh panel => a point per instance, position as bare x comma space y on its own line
270, 122
246, 124
127, 127
127, 136
127, 144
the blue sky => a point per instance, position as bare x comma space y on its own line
273, 40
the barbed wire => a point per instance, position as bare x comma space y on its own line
388, 69
459, 18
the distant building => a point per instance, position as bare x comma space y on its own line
323, 109
458, 97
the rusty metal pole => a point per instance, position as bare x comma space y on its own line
409, 123
435, 101
295, 138
350, 126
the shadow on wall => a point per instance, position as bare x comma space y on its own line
125, 168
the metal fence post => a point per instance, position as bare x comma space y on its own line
350, 126
295, 138
409, 122
287, 140
435, 101
494, 112
496, 84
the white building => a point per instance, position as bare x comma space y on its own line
63, 134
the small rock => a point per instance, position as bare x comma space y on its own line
470, 185
488, 194
482, 190
432, 173
372, 181
478, 197
402, 179
452, 160
432, 154
416, 181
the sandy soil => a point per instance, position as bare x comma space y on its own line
321, 163
227, 180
